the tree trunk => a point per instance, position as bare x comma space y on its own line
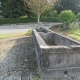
38, 18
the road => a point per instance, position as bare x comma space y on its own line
15, 28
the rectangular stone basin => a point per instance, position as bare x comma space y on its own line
57, 56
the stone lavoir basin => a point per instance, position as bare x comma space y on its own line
57, 56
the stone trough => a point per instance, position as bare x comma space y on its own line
57, 56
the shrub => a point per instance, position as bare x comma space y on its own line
67, 16
17, 20
50, 19
26, 20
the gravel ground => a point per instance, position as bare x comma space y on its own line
17, 58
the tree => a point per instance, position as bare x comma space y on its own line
73, 5
12, 8
67, 17
38, 6
50, 13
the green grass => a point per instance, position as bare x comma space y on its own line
27, 33
73, 32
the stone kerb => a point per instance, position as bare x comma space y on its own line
59, 60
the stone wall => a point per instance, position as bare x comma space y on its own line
56, 62
58, 56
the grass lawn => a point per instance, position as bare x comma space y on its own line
28, 33
73, 32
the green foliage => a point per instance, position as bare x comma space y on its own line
24, 16
67, 16
78, 16
17, 20
50, 19
26, 20
12, 8
73, 5
50, 13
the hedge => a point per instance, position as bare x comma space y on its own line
53, 19
16, 20
26, 20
